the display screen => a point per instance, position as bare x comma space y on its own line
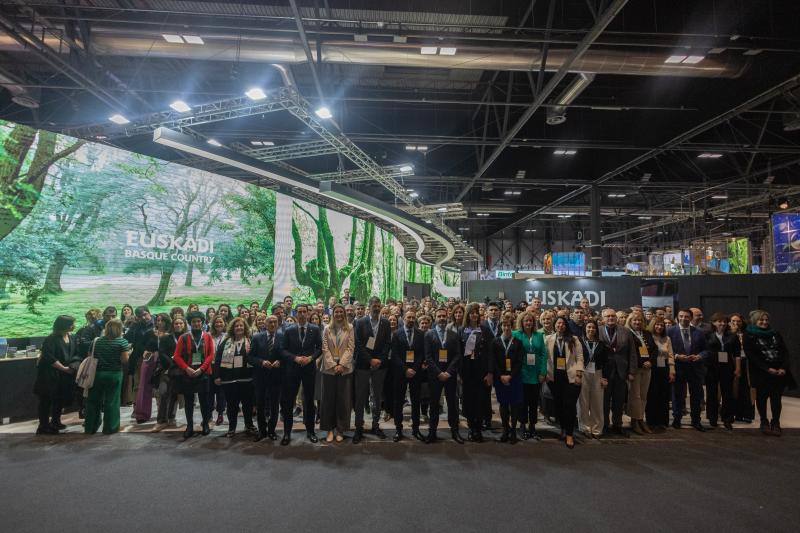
786, 239
86, 225
569, 263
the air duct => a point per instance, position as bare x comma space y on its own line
558, 114
232, 48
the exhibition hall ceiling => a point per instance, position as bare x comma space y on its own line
480, 119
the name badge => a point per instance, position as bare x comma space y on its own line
722, 357
561, 363
442, 355
371, 343
530, 359
508, 364
409, 356
643, 351
661, 361
197, 358
238, 361
590, 368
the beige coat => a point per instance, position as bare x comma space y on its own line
574, 358
343, 350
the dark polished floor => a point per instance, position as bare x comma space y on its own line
142, 482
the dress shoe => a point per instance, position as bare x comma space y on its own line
378, 432
503, 437
478, 436
513, 437
765, 429
250, 429
398, 436
636, 428
219, 421
431, 438
457, 436
339, 438
46, 430
525, 435
417, 435
58, 425
357, 436
776, 428
644, 427
188, 433
727, 425
311, 436
272, 435
699, 427
230, 434
286, 440
676, 424
713, 423
259, 437
205, 428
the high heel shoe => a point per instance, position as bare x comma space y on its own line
329, 437
570, 442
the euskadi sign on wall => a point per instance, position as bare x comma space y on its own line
601, 292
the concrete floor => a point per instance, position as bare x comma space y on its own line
141, 481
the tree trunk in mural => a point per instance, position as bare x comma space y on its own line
19, 190
163, 285
361, 278
52, 281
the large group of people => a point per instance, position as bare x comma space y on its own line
581, 367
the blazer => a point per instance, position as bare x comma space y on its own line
363, 331
186, 347
475, 366
292, 345
400, 345
574, 358
497, 359
231, 374
266, 347
535, 345
652, 349
623, 352
697, 344
668, 353
758, 350
432, 347
343, 350
601, 358
487, 330
730, 345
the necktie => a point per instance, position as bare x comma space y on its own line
687, 341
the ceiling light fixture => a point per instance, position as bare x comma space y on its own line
323, 112
214, 142
180, 106
693, 60
674, 59
709, 155
643, 217
482, 214
119, 119
414, 194
255, 93
422, 148
406, 168
752, 52
429, 50
783, 203
411, 147
617, 195
559, 152
529, 230
719, 197
193, 39
564, 216
172, 38
447, 51
441, 209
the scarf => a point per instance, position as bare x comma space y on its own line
759, 332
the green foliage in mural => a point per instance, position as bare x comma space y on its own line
739, 256
419, 273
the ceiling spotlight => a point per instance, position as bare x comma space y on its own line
570, 152
447, 51
564, 216
193, 39
709, 155
441, 209
617, 195
180, 106
559, 152
411, 147
422, 148
255, 94
674, 59
119, 119
323, 113
783, 203
719, 197
530, 230
172, 38
643, 217
508, 192
429, 50
482, 214
693, 60
414, 194
406, 168
214, 142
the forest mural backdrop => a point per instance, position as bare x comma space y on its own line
86, 225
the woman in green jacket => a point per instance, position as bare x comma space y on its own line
534, 371
111, 351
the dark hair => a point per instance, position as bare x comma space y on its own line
110, 309
373, 300
298, 306
568, 337
62, 323
719, 316
276, 307
195, 314
596, 327
495, 304
686, 310
166, 321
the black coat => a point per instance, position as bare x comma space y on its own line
263, 349
292, 346
362, 331
730, 345
432, 347
400, 345
602, 356
765, 352
650, 344
474, 367
497, 360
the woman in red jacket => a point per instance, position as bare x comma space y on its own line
194, 355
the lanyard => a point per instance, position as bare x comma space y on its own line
410, 338
639, 336
303, 336
560, 346
493, 327
611, 337
442, 338
375, 326
592, 345
506, 346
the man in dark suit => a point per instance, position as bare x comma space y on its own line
373, 335
490, 330
617, 371
268, 370
408, 354
443, 356
301, 346
689, 345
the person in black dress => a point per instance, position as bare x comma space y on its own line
564, 375
474, 372
505, 367
53, 374
723, 366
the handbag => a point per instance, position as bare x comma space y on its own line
86, 371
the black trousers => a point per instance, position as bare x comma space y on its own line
529, 411
657, 408
49, 409
690, 376
474, 394
204, 398
614, 398
291, 384
509, 414
400, 385
720, 378
744, 402
268, 397
772, 390
388, 390
218, 401
451, 396
236, 393
565, 399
